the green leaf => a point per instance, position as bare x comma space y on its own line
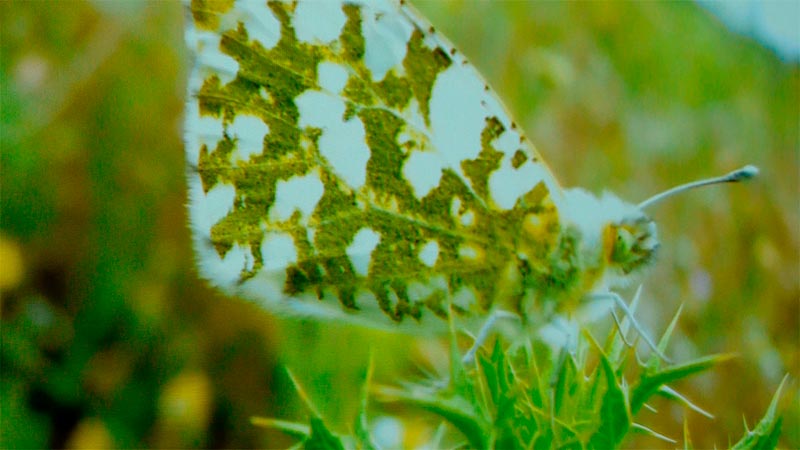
650, 383
458, 373
765, 435
490, 377
316, 436
505, 377
614, 413
295, 429
654, 363
453, 408
672, 394
565, 383
321, 438
541, 364
361, 426
687, 439
650, 432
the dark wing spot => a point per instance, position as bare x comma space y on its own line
518, 159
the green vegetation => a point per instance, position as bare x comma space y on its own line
110, 340
532, 399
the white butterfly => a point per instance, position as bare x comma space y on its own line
348, 163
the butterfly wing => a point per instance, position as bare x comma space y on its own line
346, 161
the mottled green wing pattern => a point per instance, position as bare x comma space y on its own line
347, 162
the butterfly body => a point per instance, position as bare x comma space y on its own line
347, 163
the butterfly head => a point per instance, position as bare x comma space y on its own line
617, 238
630, 244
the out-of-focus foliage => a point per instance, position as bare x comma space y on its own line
109, 339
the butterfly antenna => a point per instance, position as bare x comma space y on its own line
745, 173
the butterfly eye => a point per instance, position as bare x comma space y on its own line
623, 243
633, 246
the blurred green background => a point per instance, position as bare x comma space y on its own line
110, 340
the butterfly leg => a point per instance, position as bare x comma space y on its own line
629, 314
483, 334
621, 328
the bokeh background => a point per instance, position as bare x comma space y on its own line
110, 340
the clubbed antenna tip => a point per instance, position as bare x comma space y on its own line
745, 173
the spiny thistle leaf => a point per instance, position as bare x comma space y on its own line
447, 404
458, 373
509, 403
321, 438
649, 383
654, 363
643, 429
491, 373
765, 435
529, 399
687, 440
672, 394
316, 435
614, 413
513, 421
361, 426
294, 429
565, 387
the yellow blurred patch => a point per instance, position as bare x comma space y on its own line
90, 433
767, 253
12, 268
184, 409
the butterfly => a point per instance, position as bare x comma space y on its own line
347, 163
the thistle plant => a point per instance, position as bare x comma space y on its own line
532, 396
